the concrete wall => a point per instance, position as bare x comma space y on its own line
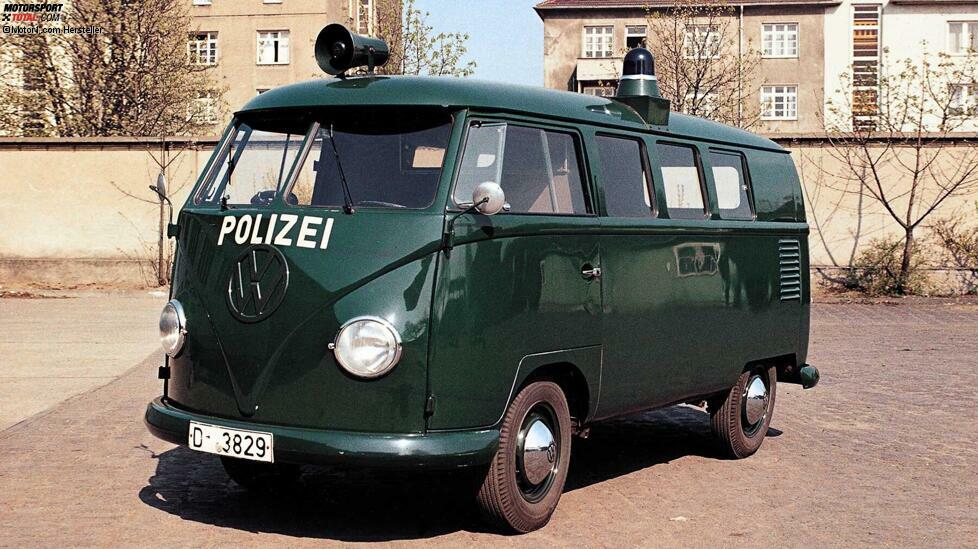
65, 218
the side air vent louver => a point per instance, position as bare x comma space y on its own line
789, 253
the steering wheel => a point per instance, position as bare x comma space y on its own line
263, 198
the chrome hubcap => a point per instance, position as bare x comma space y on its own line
538, 452
755, 401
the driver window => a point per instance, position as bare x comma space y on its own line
537, 169
253, 167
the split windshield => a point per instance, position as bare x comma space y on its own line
387, 159
252, 167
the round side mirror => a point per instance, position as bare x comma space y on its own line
488, 198
161, 184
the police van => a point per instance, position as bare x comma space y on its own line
438, 273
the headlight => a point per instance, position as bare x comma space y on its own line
173, 327
367, 346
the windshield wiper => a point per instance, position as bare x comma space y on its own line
347, 198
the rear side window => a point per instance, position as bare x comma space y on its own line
733, 198
681, 180
624, 177
538, 169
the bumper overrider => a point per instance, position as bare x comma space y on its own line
433, 450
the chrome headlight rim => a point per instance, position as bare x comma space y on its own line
181, 333
392, 362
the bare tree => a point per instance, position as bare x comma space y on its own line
134, 78
415, 46
701, 64
900, 152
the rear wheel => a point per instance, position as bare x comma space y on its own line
259, 476
527, 474
740, 418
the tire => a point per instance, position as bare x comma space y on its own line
524, 483
738, 436
262, 477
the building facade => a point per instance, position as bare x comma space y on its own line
256, 45
804, 46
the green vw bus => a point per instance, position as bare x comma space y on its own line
436, 273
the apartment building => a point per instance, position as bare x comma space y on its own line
804, 46
256, 45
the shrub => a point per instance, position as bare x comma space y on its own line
876, 270
959, 241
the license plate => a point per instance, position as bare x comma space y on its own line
231, 442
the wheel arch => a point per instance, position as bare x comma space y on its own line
576, 371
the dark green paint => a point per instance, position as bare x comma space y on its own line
442, 450
681, 308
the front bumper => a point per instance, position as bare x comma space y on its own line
436, 451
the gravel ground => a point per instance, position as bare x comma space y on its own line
881, 452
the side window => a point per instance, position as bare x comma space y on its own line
733, 199
538, 169
624, 177
681, 179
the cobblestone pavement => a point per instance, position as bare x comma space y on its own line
882, 452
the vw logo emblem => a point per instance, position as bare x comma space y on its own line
258, 282
551, 452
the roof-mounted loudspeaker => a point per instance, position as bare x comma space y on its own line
339, 50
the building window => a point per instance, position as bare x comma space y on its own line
962, 37
865, 65
701, 42
202, 48
204, 110
964, 99
273, 47
599, 41
635, 36
261, 90
599, 91
779, 102
364, 16
779, 39
202, 2
700, 103
272, 1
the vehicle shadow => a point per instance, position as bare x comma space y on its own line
384, 506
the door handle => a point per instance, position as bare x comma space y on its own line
589, 272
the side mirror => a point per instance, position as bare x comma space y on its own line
489, 198
160, 187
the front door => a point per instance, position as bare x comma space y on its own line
517, 283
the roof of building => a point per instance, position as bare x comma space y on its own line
446, 92
633, 4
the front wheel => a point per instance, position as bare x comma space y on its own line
527, 474
740, 417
